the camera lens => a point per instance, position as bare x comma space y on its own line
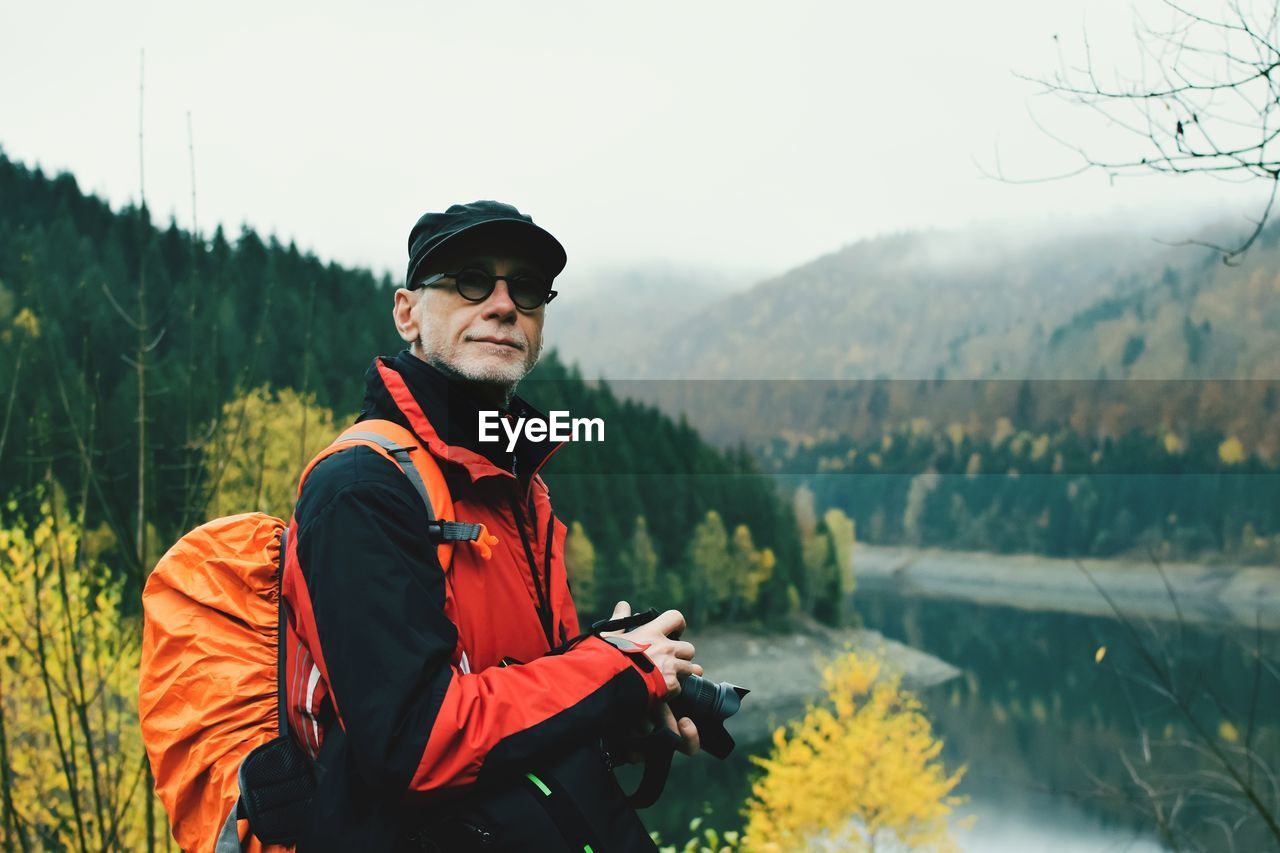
709, 704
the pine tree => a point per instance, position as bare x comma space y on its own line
580, 562
817, 569
711, 568
814, 548
840, 531
751, 567
639, 565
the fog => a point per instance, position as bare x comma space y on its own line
742, 137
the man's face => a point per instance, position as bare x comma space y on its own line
493, 342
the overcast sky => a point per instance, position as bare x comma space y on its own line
726, 135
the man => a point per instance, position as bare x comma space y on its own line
397, 682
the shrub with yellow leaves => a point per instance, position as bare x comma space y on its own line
1231, 451
258, 448
71, 755
28, 323
707, 841
861, 772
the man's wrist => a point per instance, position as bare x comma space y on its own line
637, 653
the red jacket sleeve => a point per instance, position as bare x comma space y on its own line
503, 716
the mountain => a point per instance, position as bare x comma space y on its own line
609, 318
916, 305
1200, 319
976, 303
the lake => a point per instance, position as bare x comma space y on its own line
1046, 728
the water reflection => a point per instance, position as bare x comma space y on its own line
1048, 827
1045, 728
1044, 725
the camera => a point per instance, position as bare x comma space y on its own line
709, 704
705, 702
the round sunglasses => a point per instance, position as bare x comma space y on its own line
528, 290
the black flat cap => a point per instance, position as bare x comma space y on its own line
486, 225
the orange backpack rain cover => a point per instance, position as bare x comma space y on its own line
208, 693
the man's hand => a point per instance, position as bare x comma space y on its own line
673, 658
679, 658
684, 727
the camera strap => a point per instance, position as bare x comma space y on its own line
658, 748
624, 623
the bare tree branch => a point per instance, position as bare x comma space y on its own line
1203, 98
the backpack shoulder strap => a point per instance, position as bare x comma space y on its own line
398, 445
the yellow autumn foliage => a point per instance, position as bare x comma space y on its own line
709, 840
580, 563
258, 448
71, 752
1231, 451
28, 323
750, 568
861, 772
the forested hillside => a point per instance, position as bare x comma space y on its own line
249, 354
1199, 320
1059, 492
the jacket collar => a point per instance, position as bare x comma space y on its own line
444, 414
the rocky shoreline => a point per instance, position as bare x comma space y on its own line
1247, 596
784, 671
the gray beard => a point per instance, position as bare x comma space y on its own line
486, 388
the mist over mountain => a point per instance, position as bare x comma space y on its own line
606, 319
972, 303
